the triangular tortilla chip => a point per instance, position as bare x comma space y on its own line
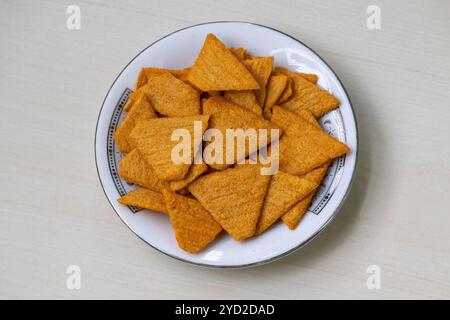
153, 139
309, 117
144, 198
308, 76
227, 115
194, 171
275, 88
239, 53
303, 146
307, 95
287, 93
146, 73
172, 97
133, 168
294, 215
245, 99
142, 110
194, 227
260, 68
234, 197
216, 68
140, 80
284, 191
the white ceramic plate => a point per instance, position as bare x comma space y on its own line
179, 50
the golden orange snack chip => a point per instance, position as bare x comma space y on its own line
287, 93
142, 110
146, 73
284, 192
180, 74
194, 227
194, 171
133, 168
240, 53
295, 214
308, 76
140, 80
171, 96
153, 139
216, 68
234, 197
144, 198
245, 99
307, 95
260, 68
303, 146
227, 115
275, 88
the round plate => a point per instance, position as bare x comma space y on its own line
179, 50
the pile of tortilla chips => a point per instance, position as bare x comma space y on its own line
225, 88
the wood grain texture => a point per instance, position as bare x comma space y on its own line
53, 212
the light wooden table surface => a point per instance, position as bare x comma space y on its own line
53, 212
